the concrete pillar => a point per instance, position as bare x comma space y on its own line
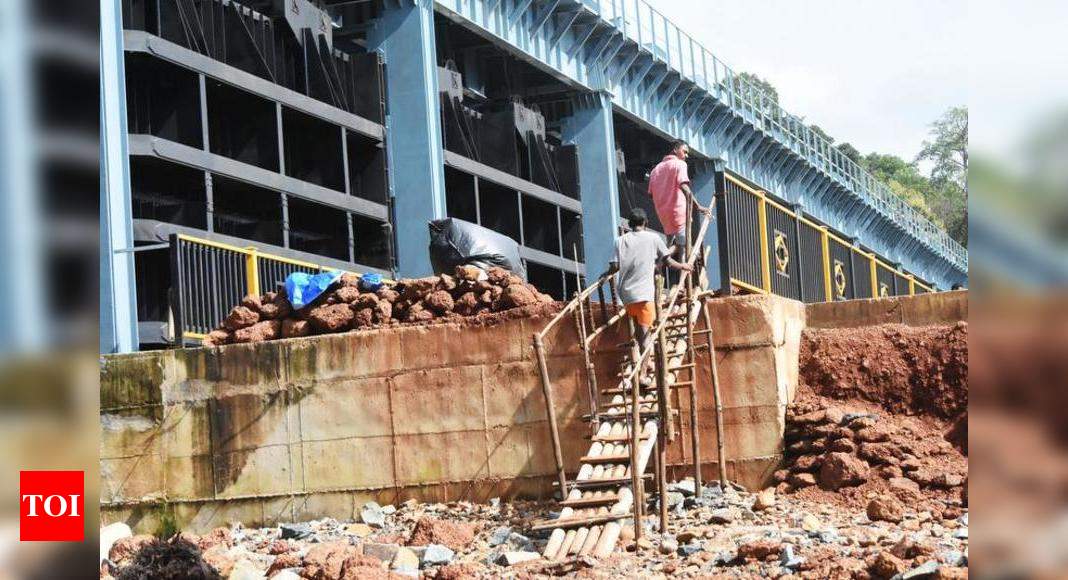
591, 129
404, 34
118, 292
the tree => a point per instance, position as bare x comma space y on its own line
948, 151
819, 131
755, 81
851, 152
948, 148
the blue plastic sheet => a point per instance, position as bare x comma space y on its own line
370, 282
303, 288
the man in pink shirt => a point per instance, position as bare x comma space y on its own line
669, 185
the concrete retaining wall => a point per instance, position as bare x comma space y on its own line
920, 310
306, 428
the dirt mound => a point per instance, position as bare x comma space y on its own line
843, 451
880, 410
462, 298
454, 535
905, 370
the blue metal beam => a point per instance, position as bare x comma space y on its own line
118, 292
404, 34
591, 128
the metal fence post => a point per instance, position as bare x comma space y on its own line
765, 257
825, 239
252, 271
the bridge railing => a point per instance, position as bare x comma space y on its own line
656, 34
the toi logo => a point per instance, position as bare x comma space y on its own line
51, 506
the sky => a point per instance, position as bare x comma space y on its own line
875, 73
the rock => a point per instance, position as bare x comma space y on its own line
455, 535
331, 318
780, 475
349, 294
259, 332
293, 328
371, 514
359, 530
842, 446
687, 536
674, 498
217, 337
926, 569
245, 570
904, 484
800, 480
668, 546
517, 295
764, 500
787, 557
363, 318
436, 555
721, 516
241, 317
886, 565
440, 302
513, 558
414, 289
842, 470
125, 548
811, 524
473, 273
219, 557
947, 480
885, 509
109, 535
383, 311
296, 531
644, 543
285, 575
405, 560
686, 487
500, 536
759, 550
284, 561
953, 558
808, 463
875, 434
878, 453
384, 552
951, 573
691, 548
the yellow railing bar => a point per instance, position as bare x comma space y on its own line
748, 286
839, 240
912, 285
922, 285
213, 244
735, 181
810, 223
765, 257
826, 243
781, 207
874, 275
194, 335
252, 272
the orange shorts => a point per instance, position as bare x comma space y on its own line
644, 313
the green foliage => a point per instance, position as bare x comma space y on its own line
755, 81
942, 195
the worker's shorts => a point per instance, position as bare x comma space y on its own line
643, 313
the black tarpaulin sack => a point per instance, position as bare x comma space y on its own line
454, 242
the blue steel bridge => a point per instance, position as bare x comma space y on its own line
268, 136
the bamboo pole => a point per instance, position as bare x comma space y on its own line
635, 472
550, 409
661, 480
716, 398
591, 379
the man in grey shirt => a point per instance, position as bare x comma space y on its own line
638, 254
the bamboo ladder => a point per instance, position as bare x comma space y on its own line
609, 484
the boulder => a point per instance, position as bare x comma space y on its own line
885, 509
842, 470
